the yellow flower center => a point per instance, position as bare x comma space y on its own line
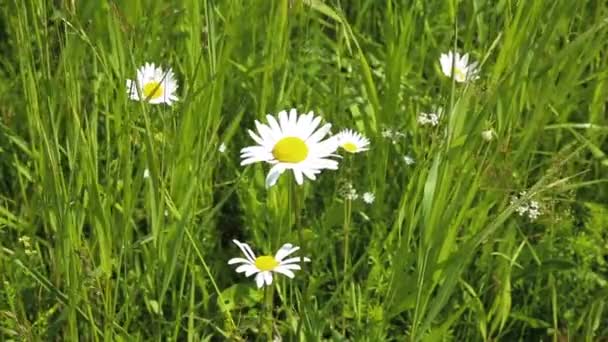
266, 263
152, 90
459, 74
290, 150
350, 147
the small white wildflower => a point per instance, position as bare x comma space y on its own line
392, 134
349, 192
369, 197
387, 133
408, 160
522, 209
431, 119
423, 119
488, 134
25, 240
222, 148
463, 71
146, 173
531, 209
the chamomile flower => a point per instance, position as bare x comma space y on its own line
153, 85
293, 142
463, 71
369, 197
264, 266
352, 141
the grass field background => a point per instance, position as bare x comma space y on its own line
90, 250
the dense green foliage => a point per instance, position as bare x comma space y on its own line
91, 250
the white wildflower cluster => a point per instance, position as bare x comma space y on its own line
531, 208
409, 160
431, 119
349, 192
392, 135
369, 197
27, 246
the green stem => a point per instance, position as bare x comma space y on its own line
269, 294
295, 200
348, 204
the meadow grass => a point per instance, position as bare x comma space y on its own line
91, 250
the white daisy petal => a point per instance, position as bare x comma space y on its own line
293, 260
284, 271
298, 176
318, 135
294, 267
267, 277
274, 124
273, 175
284, 251
259, 280
246, 267
284, 122
293, 120
251, 271
246, 250
238, 261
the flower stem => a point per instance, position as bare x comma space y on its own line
269, 294
294, 196
348, 204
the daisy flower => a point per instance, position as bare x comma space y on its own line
153, 85
291, 142
462, 70
352, 141
263, 266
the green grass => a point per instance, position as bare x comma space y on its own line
92, 251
